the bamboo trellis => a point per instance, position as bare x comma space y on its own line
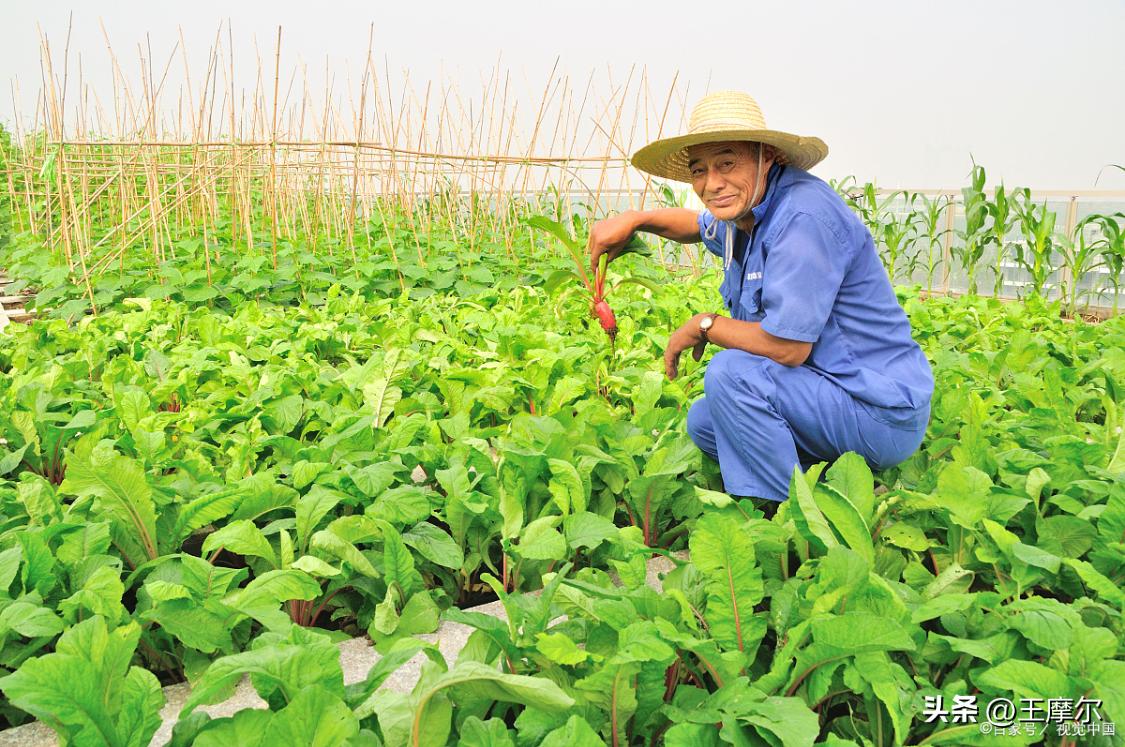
213, 161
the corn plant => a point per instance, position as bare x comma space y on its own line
1080, 255
930, 215
1112, 247
1003, 218
898, 238
974, 237
1034, 253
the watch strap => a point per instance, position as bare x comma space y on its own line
703, 330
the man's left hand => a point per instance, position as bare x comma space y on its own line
687, 336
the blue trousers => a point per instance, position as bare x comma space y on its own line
759, 419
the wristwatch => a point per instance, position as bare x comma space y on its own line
705, 326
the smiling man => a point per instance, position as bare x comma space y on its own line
818, 357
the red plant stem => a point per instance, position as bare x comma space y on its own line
648, 523
316, 615
671, 677
711, 669
632, 519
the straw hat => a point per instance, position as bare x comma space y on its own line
719, 116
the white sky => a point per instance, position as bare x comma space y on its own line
903, 92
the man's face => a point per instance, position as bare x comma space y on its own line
724, 175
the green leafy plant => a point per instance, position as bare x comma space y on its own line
974, 237
1036, 252
596, 286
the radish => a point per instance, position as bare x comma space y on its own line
599, 308
606, 317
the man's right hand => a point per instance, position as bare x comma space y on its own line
609, 236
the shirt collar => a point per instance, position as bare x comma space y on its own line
762, 209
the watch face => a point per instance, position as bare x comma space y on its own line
706, 322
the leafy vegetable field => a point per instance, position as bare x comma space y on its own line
194, 492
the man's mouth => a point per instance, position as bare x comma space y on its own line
724, 201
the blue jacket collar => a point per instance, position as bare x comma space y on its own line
762, 209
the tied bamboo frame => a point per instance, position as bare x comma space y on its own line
169, 165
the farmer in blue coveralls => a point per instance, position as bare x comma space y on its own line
819, 359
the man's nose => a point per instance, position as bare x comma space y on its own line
714, 181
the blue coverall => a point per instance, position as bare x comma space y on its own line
809, 272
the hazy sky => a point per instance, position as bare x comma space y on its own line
902, 92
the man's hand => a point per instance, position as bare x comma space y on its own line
687, 336
609, 237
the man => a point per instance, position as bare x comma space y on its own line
819, 358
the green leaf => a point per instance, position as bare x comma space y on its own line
557, 230
1037, 557
311, 508
314, 718
941, 605
491, 733
807, 516
306, 472
1066, 536
398, 563
430, 724
1102, 585
12, 459
845, 518
118, 484
315, 567
713, 497
647, 393
852, 478
1028, 679
261, 597
723, 552
566, 487
787, 719
406, 504
541, 541
1109, 685
906, 536
1047, 623
862, 631
205, 627
241, 537
82, 420
282, 415
575, 733
380, 394
30, 620
558, 277
559, 649
245, 729
204, 510
289, 666
435, 545
964, 492
100, 594
588, 530
86, 691
329, 542
373, 479
9, 567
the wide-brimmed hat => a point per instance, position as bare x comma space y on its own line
721, 116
